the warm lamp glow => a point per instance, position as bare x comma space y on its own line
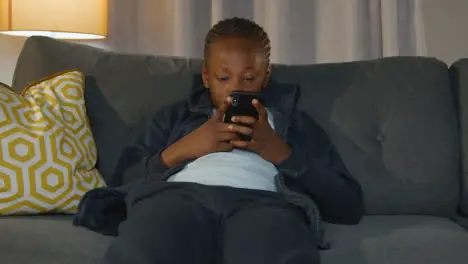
62, 19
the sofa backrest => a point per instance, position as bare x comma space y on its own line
392, 120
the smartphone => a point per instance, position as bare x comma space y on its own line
241, 105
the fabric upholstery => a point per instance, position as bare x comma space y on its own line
46, 146
397, 240
392, 120
394, 124
48, 240
459, 76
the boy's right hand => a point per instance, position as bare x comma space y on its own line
213, 136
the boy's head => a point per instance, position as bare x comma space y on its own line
237, 57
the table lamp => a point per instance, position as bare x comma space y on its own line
61, 19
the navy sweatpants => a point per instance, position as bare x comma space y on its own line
186, 223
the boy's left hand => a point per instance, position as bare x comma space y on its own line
265, 142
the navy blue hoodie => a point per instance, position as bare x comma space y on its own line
313, 177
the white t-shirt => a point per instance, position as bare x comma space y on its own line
238, 168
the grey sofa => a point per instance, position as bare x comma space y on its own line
398, 123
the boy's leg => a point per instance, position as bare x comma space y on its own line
175, 230
274, 233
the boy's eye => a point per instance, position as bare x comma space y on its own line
249, 78
222, 78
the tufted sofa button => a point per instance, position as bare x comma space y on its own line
381, 138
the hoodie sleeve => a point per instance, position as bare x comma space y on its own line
141, 158
316, 166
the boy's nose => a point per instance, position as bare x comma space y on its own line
236, 86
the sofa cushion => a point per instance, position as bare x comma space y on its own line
392, 120
49, 240
47, 148
394, 124
121, 90
459, 77
397, 239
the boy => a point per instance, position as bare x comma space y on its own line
223, 200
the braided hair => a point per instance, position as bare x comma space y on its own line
238, 27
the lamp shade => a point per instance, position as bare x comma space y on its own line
62, 19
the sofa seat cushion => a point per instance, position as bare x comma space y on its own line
48, 239
397, 239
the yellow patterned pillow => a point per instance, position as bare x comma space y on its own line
47, 154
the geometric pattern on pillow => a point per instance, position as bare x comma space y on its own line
47, 151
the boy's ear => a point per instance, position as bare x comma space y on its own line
267, 76
205, 76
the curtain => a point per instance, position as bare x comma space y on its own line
301, 31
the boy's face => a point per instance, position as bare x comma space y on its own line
235, 64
